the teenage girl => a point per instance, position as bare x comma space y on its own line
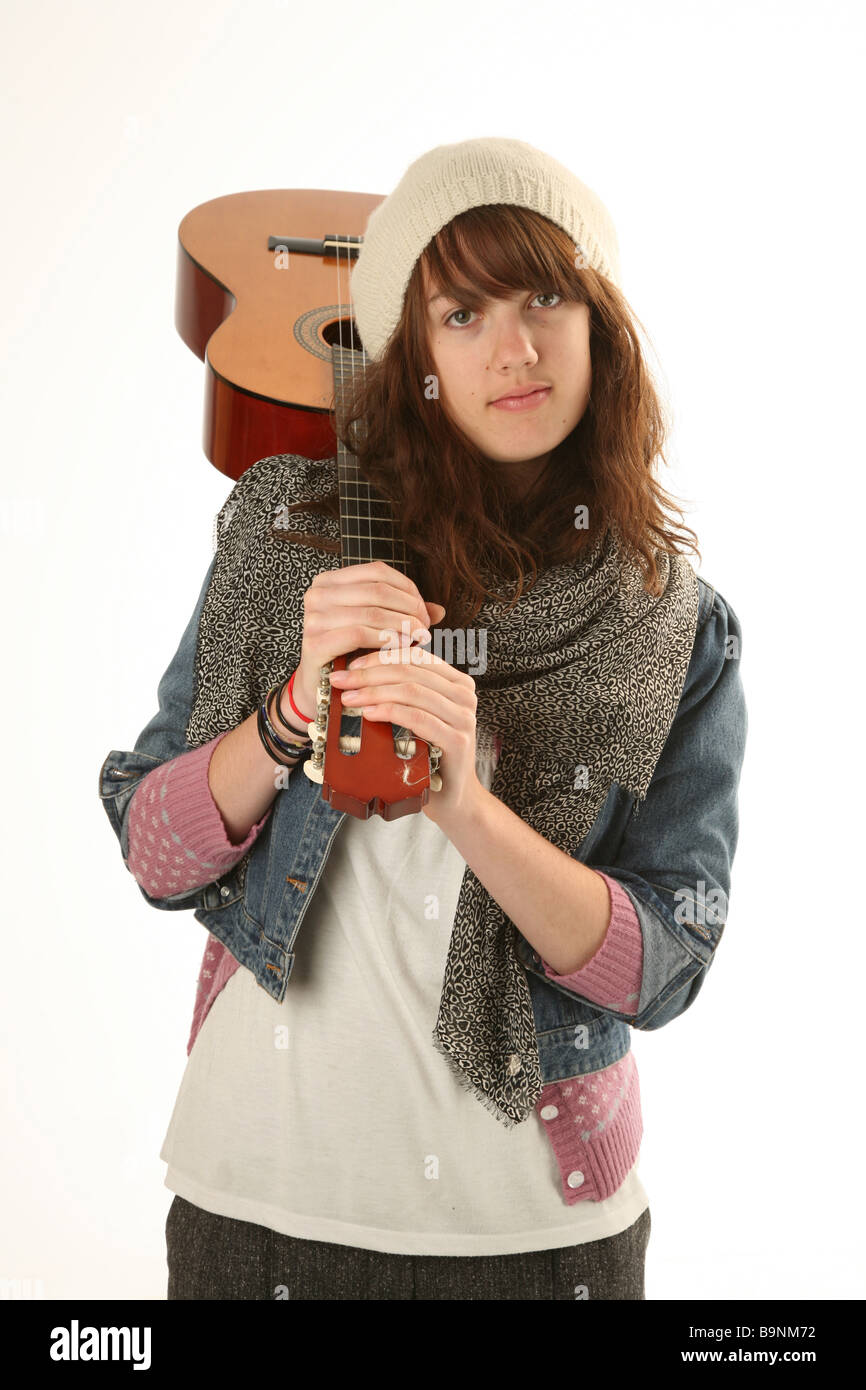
321, 1145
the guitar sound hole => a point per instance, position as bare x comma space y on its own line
343, 331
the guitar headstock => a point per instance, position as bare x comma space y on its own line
369, 773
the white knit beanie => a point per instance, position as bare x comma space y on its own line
447, 181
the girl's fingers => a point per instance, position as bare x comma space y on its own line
441, 711
440, 678
378, 585
419, 660
363, 633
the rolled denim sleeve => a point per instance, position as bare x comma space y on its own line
161, 739
677, 850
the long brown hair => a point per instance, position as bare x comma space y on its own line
461, 524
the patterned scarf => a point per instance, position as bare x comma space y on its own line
582, 681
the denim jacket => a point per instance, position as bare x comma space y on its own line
671, 854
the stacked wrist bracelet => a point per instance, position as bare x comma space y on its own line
285, 749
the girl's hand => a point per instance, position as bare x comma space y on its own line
356, 607
415, 689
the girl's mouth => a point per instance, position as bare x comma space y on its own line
529, 402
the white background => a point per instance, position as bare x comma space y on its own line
726, 140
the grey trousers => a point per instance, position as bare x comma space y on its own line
217, 1257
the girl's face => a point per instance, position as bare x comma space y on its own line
528, 338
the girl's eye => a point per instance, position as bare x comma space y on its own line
542, 294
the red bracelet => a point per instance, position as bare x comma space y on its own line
304, 717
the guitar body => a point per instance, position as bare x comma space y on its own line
264, 333
263, 298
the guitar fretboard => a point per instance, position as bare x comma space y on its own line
366, 518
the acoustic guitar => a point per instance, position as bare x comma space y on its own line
262, 298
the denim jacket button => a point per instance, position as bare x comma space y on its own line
575, 1179
549, 1112
224, 891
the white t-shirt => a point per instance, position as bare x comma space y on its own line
332, 1116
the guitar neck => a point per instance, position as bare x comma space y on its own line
367, 530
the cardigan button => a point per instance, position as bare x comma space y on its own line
575, 1179
549, 1112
